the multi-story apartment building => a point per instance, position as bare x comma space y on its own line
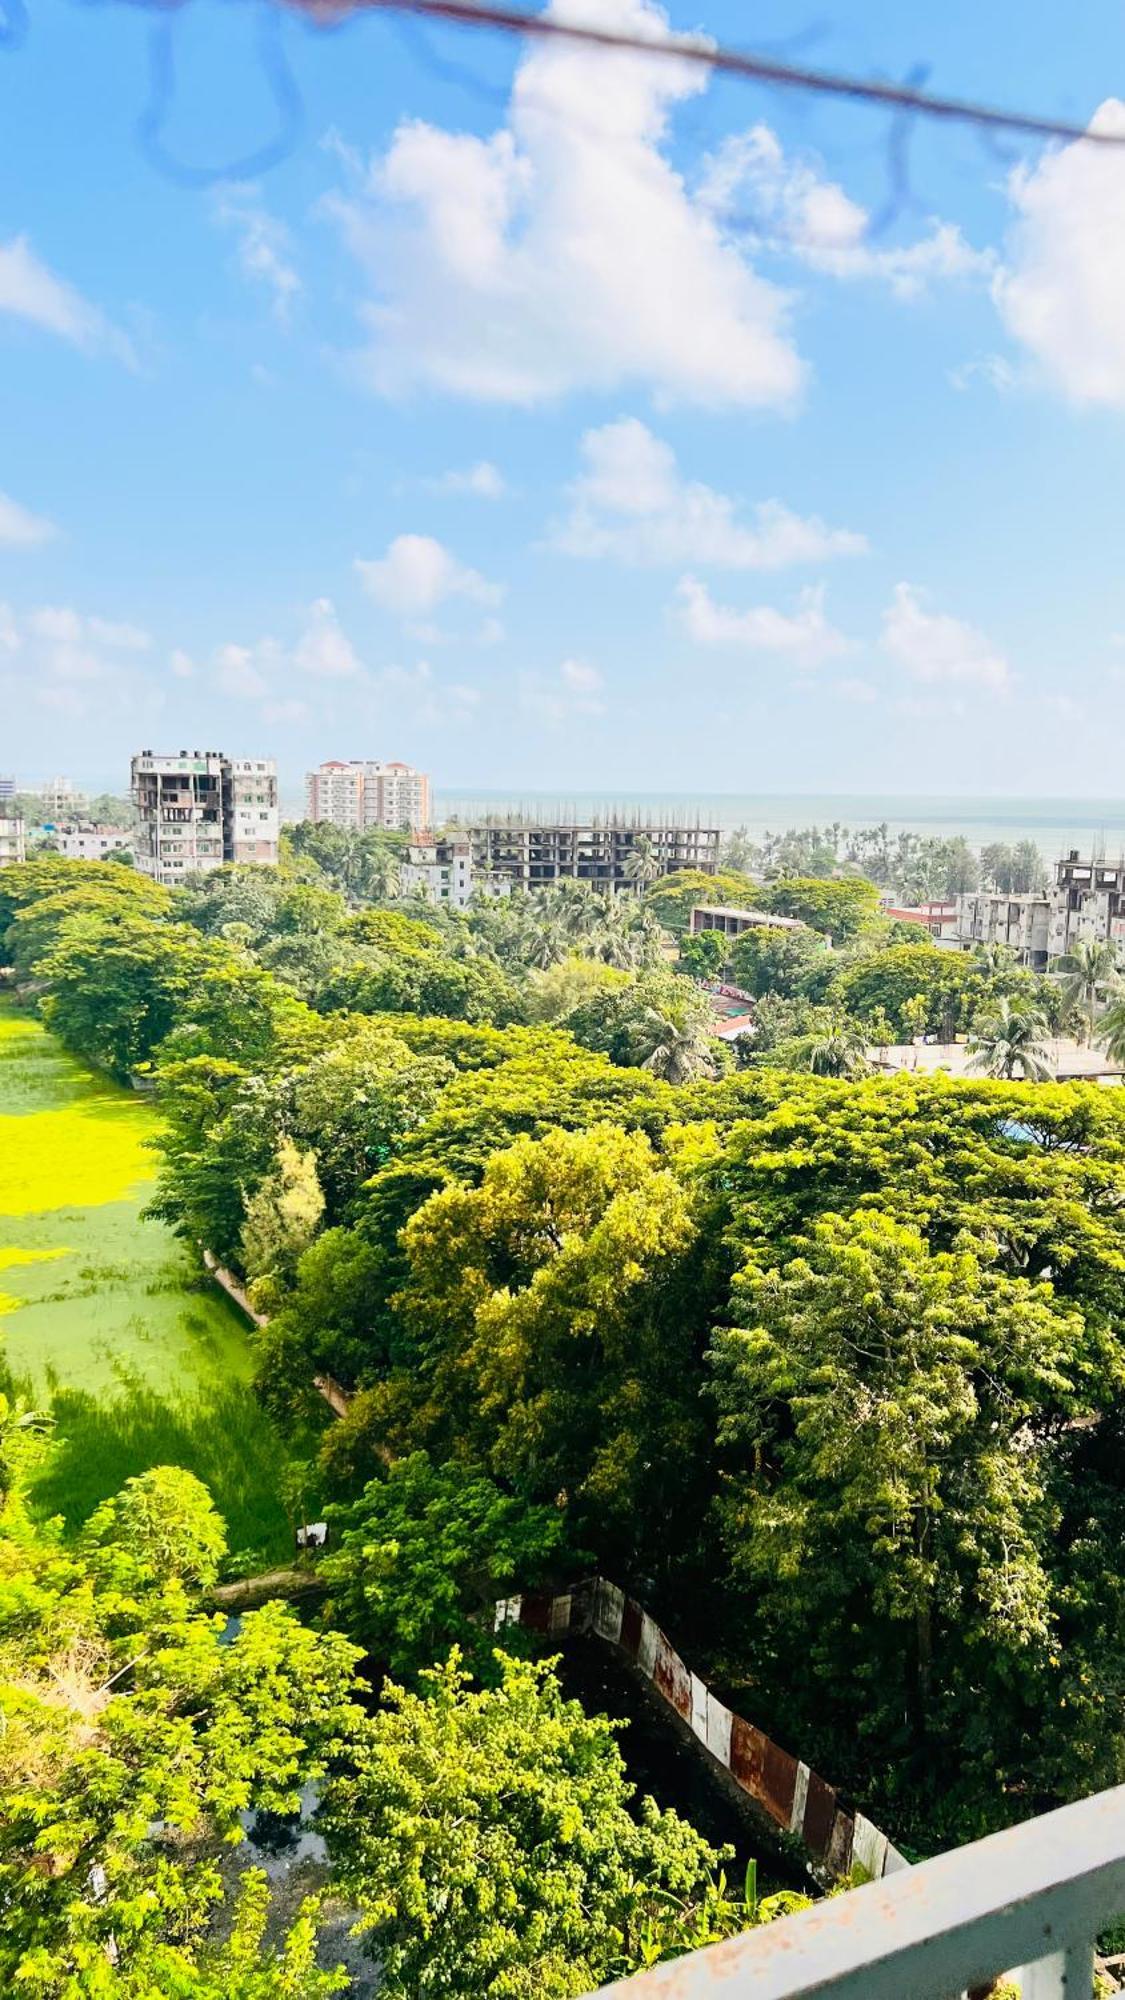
60, 799
13, 846
198, 809
1086, 900
93, 843
443, 871
7, 787
358, 794
532, 855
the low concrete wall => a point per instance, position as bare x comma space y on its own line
791, 1795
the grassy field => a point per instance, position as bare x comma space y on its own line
102, 1312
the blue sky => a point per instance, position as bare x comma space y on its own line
559, 421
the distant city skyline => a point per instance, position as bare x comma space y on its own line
564, 421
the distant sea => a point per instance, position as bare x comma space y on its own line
1055, 825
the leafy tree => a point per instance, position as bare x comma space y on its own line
703, 954
162, 1524
673, 898
552, 1322
555, 992
840, 909
425, 1553
1010, 1043
116, 991
283, 1216
352, 1103
772, 961
882, 1402
490, 1840
683, 1046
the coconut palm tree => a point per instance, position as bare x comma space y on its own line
1009, 1043
1112, 1036
641, 864
681, 1050
1090, 963
840, 1051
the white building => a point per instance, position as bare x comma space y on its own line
13, 846
442, 871
1086, 900
357, 794
93, 843
60, 799
198, 809
251, 817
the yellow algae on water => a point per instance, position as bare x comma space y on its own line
82, 1156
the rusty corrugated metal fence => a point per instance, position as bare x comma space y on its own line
795, 1798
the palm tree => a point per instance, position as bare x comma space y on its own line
681, 1050
1090, 963
641, 864
993, 957
840, 1051
1010, 1043
1112, 1036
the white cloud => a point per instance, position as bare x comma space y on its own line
264, 244
238, 670
1062, 290
565, 251
181, 663
20, 529
856, 690
576, 690
991, 369
631, 502
418, 573
290, 710
324, 648
29, 291
787, 205
66, 660
934, 647
482, 481
803, 636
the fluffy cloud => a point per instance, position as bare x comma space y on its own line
1062, 290
933, 647
20, 529
264, 248
29, 291
418, 573
565, 251
631, 502
324, 648
786, 205
482, 481
68, 660
576, 690
804, 636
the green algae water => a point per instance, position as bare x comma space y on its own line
102, 1314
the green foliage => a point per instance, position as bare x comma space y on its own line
674, 897
133, 1739
161, 1525
552, 1328
282, 1216
425, 1553
841, 910
489, 1838
769, 961
704, 954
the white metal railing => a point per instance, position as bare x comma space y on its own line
1033, 1897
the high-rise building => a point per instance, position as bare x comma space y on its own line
60, 799
533, 854
12, 843
7, 786
367, 794
198, 809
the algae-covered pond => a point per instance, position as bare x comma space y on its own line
102, 1313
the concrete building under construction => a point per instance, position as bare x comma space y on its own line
532, 855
